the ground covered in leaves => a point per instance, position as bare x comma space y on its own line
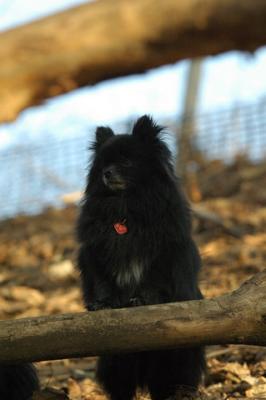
37, 276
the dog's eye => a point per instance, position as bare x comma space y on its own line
125, 162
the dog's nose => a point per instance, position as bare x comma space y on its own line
107, 174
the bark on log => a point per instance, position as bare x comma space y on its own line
238, 317
106, 39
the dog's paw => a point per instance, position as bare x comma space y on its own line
98, 305
135, 302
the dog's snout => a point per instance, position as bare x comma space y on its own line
112, 178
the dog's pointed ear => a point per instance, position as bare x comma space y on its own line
102, 134
145, 128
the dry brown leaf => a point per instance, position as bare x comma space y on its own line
74, 390
258, 390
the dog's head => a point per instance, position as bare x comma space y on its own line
124, 162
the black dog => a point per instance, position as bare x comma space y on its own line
136, 249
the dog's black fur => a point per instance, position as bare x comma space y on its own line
18, 382
132, 182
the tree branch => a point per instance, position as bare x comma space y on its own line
107, 39
238, 317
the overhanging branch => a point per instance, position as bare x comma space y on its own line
107, 39
238, 317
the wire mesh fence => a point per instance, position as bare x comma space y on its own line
38, 175
225, 133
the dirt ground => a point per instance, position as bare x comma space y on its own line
38, 277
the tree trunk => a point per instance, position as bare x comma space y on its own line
238, 317
107, 39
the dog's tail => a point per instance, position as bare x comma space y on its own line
18, 382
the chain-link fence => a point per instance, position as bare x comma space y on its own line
225, 133
35, 176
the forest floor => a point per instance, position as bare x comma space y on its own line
38, 276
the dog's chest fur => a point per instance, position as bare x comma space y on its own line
129, 275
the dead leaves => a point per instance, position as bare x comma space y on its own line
37, 277
235, 380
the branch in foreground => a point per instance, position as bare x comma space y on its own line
238, 317
106, 39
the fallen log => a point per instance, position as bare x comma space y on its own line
235, 318
107, 39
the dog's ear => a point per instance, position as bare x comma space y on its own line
101, 135
145, 128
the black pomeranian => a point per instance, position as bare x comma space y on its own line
136, 249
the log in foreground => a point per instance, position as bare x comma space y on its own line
106, 39
238, 317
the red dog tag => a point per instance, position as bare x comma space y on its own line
120, 228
